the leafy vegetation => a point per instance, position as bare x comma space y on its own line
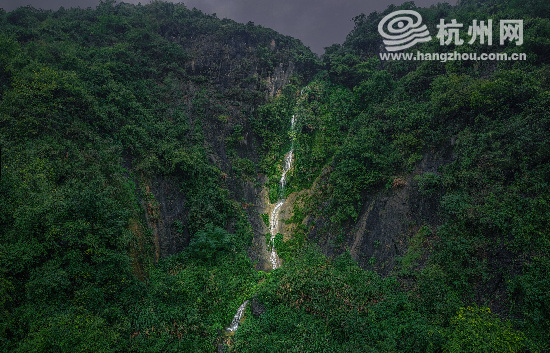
125, 123
365, 124
98, 108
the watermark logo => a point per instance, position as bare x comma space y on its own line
511, 30
402, 29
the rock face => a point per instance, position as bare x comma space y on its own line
258, 197
388, 219
172, 236
257, 308
234, 63
233, 73
279, 78
386, 222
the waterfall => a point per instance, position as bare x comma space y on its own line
237, 318
288, 158
274, 219
273, 223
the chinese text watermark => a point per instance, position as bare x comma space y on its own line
404, 28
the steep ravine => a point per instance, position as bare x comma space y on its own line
274, 221
165, 191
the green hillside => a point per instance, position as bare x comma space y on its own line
141, 146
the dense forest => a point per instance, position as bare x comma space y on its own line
141, 152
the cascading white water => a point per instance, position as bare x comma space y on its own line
237, 318
274, 219
288, 157
273, 224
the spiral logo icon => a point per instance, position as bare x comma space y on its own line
402, 29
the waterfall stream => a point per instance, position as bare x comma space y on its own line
274, 219
237, 318
273, 222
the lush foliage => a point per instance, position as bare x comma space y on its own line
101, 111
110, 116
363, 127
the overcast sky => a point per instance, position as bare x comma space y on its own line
318, 23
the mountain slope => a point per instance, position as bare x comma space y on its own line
125, 134
142, 145
432, 174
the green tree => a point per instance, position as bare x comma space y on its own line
477, 330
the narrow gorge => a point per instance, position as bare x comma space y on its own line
273, 221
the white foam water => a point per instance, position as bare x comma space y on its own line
274, 219
273, 225
237, 318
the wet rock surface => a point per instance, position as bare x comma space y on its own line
387, 220
257, 308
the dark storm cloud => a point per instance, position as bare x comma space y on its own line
318, 23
